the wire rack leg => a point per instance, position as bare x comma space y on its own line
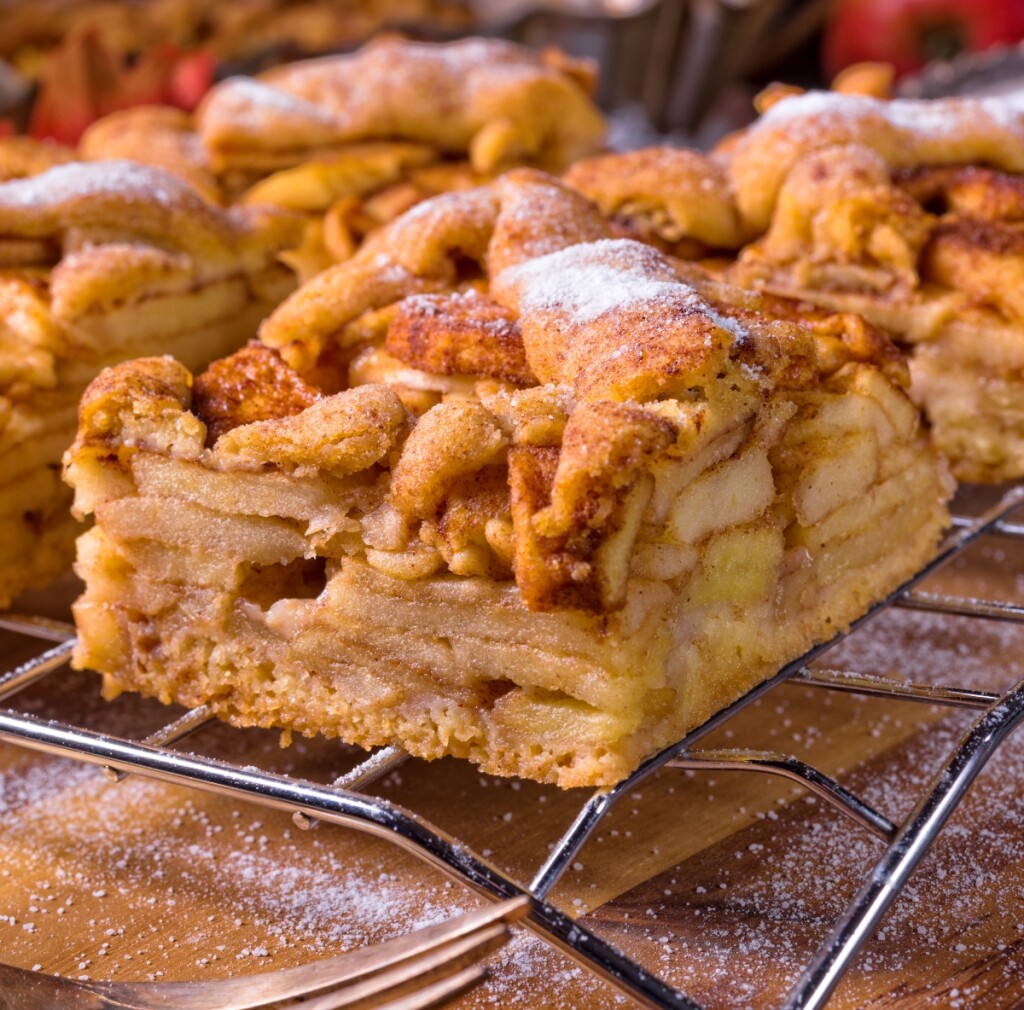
911, 843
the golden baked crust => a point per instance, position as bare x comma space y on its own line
684, 487
354, 172
469, 335
500, 102
252, 385
424, 251
905, 132
153, 135
357, 140
874, 207
78, 206
100, 262
676, 199
354, 141
24, 156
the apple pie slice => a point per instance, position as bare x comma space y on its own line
356, 140
500, 103
353, 141
100, 262
910, 213
501, 487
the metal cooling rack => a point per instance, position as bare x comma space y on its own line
341, 802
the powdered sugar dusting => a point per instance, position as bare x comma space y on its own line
735, 925
349, 85
814, 104
1007, 109
125, 180
937, 118
245, 103
589, 280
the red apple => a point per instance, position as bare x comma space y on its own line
85, 79
191, 78
910, 33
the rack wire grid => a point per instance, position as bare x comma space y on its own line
342, 803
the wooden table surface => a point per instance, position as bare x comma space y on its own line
721, 883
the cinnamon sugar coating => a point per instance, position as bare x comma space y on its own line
975, 191
340, 435
155, 135
145, 404
984, 258
423, 252
501, 103
83, 205
24, 156
676, 199
470, 335
906, 133
910, 214
254, 384
611, 320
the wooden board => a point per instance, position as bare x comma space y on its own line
721, 883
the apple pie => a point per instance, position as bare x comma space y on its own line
243, 30
910, 213
494, 102
356, 140
100, 262
353, 141
501, 486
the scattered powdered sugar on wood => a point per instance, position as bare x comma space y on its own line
274, 889
236, 888
736, 925
517, 970
312, 897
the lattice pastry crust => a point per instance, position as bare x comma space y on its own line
672, 198
353, 141
21, 157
